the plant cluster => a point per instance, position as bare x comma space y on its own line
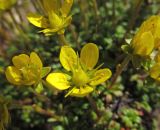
85, 69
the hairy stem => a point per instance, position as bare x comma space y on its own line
119, 70
62, 40
135, 14
75, 35
94, 106
95, 5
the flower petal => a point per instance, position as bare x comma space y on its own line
55, 20
38, 20
100, 76
51, 5
155, 71
144, 44
58, 80
35, 60
21, 60
89, 55
49, 31
82, 91
68, 57
59, 29
13, 75
66, 7
67, 21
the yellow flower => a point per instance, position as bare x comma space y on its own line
26, 70
6, 4
57, 18
82, 78
148, 37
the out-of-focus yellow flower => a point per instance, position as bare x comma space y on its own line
27, 70
57, 18
83, 77
6, 4
148, 37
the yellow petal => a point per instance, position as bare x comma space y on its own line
100, 76
38, 20
82, 91
21, 60
55, 20
49, 31
155, 71
152, 24
58, 80
67, 21
144, 44
36, 60
51, 5
68, 57
13, 75
59, 29
66, 7
89, 55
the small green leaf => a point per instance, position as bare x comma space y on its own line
146, 63
58, 128
45, 71
39, 87
126, 48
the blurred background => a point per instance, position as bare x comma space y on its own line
133, 103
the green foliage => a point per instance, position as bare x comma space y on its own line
130, 117
128, 105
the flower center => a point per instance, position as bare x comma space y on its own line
30, 73
80, 78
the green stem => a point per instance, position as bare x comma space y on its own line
39, 96
83, 7
75, 35
19, 14
94, 106
119, 70
34, 107
62, 40
95, 8
20, 29
113, 12
135, 14
15, 22
36, 6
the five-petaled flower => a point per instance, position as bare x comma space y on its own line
148, 37
56, 19
26, 70
82, 77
